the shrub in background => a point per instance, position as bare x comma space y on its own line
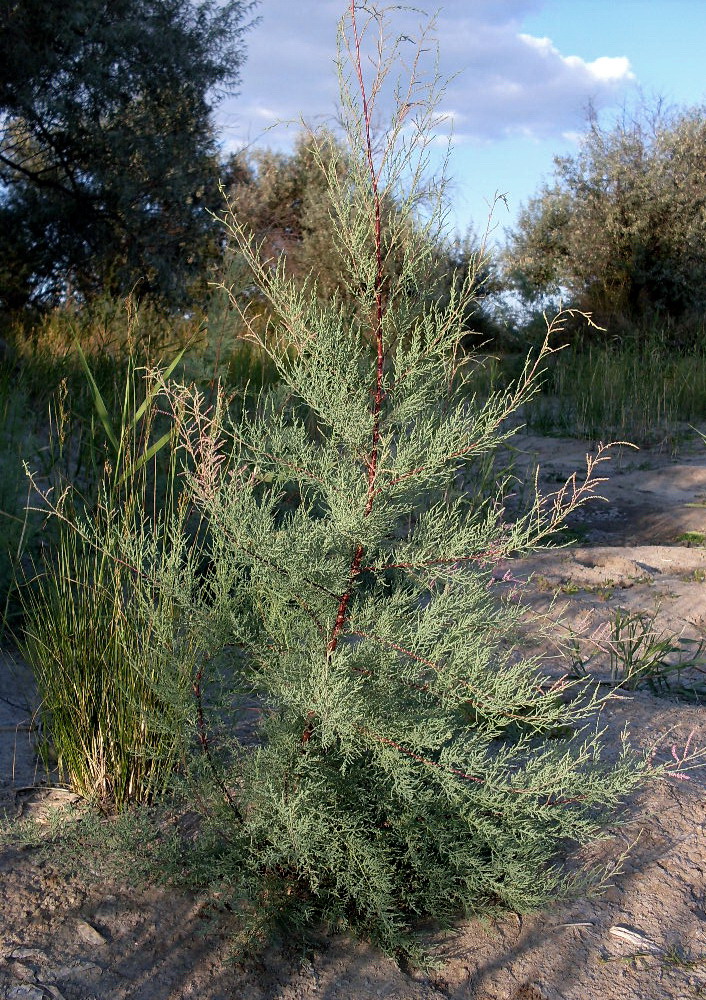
621, 228
285, 201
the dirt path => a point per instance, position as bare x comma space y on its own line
88, 940
652, 497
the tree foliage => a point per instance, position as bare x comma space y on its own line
622, 226
283, 199
107, 150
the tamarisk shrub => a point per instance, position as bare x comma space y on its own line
404, 760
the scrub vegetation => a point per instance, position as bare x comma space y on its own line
250, 540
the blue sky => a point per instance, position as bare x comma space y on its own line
526, 71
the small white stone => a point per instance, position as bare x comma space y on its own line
30, 954
635, 939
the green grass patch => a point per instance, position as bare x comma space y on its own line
646, 394
692, 539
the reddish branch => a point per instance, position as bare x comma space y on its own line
379, 312
559, 685
490, 557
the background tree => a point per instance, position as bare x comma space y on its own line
285, 201
622, 227
107, 148
282, 198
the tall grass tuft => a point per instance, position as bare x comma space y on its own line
99, 680
100, 632
643, 393
100, 629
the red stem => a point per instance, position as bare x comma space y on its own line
372, 462
438, 667
469, 777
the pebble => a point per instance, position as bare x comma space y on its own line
76, 970
53, 990
25, 993
89, 933
32, 954
24, 972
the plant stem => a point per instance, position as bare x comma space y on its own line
206, 746
372, 463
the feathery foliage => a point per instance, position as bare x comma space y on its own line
404, 760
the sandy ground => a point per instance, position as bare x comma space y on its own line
642, 939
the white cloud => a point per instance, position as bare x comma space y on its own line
265, 114
509, 83
611, 68
605, 68
543, 45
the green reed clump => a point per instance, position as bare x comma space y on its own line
642, 392
99, 626
103, 718
642, 654
18, 433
